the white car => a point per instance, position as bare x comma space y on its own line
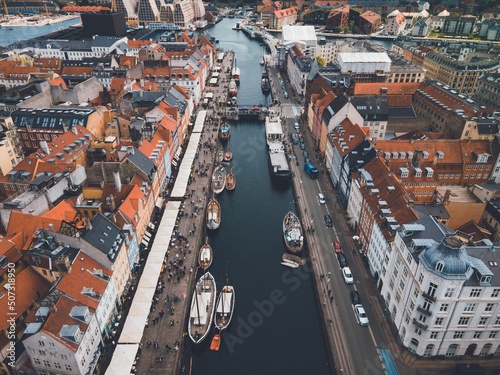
348, 278
321, 198
361, 316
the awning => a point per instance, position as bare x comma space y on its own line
159, 202
209, 95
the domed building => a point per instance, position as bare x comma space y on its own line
442, 292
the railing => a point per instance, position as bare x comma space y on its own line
428, 296
420, 324
424, 311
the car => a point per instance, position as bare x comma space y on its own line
321, 198
302, 146
361, 316
306, 161
355, 297
348, 278
305, 153
285, 94
296, 126
342, 260
295, 140
328, 221
337, 247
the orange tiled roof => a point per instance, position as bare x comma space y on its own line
77, 71
82, 276
393, 88
29, 286
117, 85
353, 136
136, 44
329, 3
9, 249
370, 16
58, 81
84, 9
63, 211
60, 317
64, 140
285, 12
127, 61
47, 62
27, 225
130, 206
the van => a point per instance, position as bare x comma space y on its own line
311, 170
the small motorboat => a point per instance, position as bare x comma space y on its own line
220, 156
205, 256
215, 344
230, 181
219, 179
289, 263
228, 155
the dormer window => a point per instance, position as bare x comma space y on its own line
418, 172
425, 154
440, 266
485, 280
404, 172
402, 154
410, 154
394, 155
387, 155
440, 154
429, 171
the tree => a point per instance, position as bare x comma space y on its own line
321, 61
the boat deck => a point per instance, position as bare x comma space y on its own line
278, 159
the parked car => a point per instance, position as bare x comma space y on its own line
337, 247
321, 198
348, 277
342, 260
355, 297
328, 221
302, 146
305, 153
296, 126
295, 140
361, 316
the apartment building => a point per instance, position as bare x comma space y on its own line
488, 91
283, 17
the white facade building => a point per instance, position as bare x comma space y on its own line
364, 62
442, 295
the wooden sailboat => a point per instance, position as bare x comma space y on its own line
228, 155
224, 131
230, 180
218, 179
225, 307
213, 214
202, 308
205, 256
292, 233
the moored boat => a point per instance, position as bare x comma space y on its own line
228, 156
235, 73
213, 214
233, 90
215, 344
265, 86
218, 179
219, 158
230, 180
202, 308
224, 131
276, 148
225, 308
289, 263
205, 256
292, 233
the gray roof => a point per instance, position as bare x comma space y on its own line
105, 236
485, 260
452, 254
437, 210
336, 105
142, 162
487, 126
105, 41
372, 108
402, 112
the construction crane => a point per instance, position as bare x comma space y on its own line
5, 9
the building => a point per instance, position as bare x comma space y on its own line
369, 22
491, 218
488, 91
442, 293
283, 17
463, 25
338, 18
63, 338
421, 27
363, 63
298, 70
375, 113
396, 23
11, 152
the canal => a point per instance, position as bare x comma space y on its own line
276, 326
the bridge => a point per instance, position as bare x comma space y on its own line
237, 113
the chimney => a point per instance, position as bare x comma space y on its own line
88, 223
118, 181
45, 147
73, 129
112, 199
416, 158
446, 198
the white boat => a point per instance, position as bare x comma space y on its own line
235, 73
225, 308
276, 148
219, 177
262, 62
213, 214
292, 233
233, 90
205, 257
202, 308
289, 263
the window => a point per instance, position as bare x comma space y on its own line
470, 307
434, 334
477, 334
46, 363
432, 289
416, 293
68, 368
421, 278
497, 321
439, 321
37, 361
483, 320
42, 352
493, 334
440, 266
485, 350
452, 350
41, 343
444, 307
57, 365
489, 307
458, 334
449, 292
418, 331
475, 292
463, 321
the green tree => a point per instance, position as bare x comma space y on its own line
321, 61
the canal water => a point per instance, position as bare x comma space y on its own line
276, 325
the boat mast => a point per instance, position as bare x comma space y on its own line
197, 306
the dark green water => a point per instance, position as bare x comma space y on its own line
276, 325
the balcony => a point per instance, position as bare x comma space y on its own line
429, 297
420, 324
424, 311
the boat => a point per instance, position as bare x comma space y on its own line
230, 180
228, 155
275, 137
292, 233
219, 158
213, 214
219, 179
233, 90
202, 308
265, 86
225, 308
205, 256
215, 344
289, 263
235, 73
262, 62
224, 131
232, 102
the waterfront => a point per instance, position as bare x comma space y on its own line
265, 337
13, 34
